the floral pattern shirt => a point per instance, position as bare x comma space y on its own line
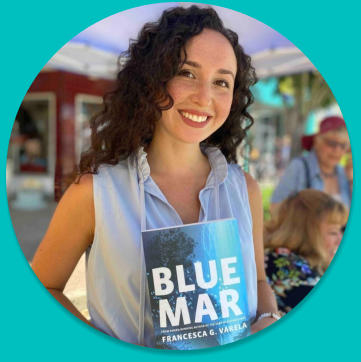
290, 277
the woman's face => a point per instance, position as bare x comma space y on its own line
202, 90
331, 235
330, 147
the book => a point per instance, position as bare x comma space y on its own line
196, 285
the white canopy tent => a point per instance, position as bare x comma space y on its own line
95, 51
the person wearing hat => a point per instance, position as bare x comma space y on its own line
320, 168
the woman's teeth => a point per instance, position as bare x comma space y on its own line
194, 118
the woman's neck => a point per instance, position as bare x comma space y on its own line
172, 158
327, 170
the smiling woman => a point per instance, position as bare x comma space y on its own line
158, 160
202, 91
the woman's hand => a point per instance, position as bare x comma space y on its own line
263, 323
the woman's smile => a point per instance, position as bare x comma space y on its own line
195, 119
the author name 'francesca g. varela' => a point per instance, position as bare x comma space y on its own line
204, 333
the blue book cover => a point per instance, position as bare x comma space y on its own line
196, 285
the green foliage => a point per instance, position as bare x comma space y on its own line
302, 93
308, 91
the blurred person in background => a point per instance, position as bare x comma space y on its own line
31, 159
300, 242
320, 169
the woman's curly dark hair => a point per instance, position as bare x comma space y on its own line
131, 111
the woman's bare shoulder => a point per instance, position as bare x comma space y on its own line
252, 185
80, 191
84, 183
76, 207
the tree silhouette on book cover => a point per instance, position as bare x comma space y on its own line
196, 285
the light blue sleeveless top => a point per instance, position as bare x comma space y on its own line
118, 300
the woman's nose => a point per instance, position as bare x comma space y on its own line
202, 94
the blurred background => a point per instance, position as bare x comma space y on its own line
51, 127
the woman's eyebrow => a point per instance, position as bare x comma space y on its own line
197, 65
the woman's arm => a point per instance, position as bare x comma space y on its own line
69, 234
266, 299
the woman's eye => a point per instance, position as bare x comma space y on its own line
186, 73
222, 83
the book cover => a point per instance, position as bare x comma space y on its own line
196, 285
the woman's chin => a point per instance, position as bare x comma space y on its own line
192, 139
331, 163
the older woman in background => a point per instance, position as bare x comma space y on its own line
300, 241
320, 168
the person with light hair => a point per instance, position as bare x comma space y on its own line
300, 242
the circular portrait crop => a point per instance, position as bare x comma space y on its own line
179, 177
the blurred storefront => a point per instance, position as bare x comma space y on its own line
49, 134
268, 138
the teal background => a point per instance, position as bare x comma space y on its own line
325, 325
